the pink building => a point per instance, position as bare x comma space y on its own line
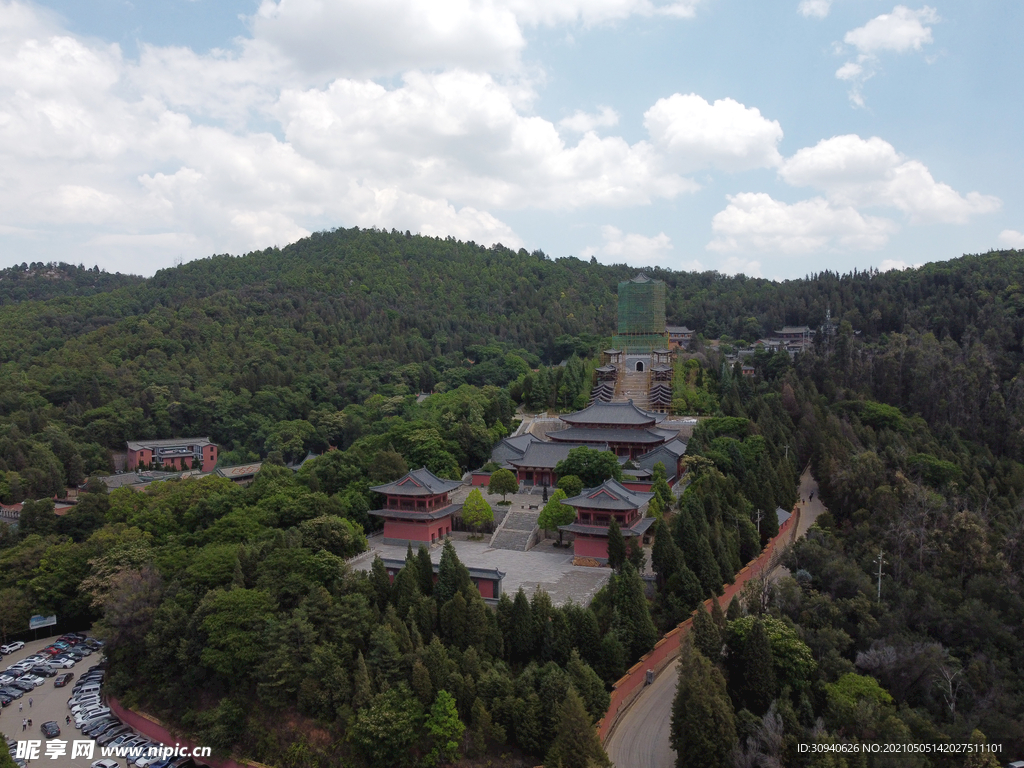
486, 580
595, 509
172, 455
417, 508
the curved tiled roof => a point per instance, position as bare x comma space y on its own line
610, 494
418, 482
607, 435
614, 415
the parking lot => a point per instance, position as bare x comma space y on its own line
48, 703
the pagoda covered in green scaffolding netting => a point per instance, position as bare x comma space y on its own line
641, 316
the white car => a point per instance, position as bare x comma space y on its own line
61, 663
104, 763
6, 679
31, 680
11, 647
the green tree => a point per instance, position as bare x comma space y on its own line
452, 575
616, 545
476, 511
445, 730
707, 637
632, 617
590, 466
503, 481
591, 689
571, 484
383, 733
426, 571
758, 671
555, 514
703, 723
576, 744
233, 623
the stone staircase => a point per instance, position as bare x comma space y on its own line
518, 531
635, 386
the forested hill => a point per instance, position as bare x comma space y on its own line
232, 346
39, 282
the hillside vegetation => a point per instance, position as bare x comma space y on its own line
910, 414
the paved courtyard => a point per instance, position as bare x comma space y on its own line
542, 567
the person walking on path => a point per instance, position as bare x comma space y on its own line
24, 723
21, 707
30, 702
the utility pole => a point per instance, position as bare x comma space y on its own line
760, 514
881, 561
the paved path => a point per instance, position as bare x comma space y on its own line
641, 737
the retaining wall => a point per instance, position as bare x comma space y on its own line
628, 687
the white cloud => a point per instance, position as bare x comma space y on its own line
375, 37
753, 221
890, 264
817, 9
636, 250
901, 31
737, 265
727, 135
856, 172
581, 122
1011, 238
229, 151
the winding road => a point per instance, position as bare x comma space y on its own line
641, 737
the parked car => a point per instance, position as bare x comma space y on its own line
50, 729
94, 731
34, 680
106, 762
17, 645
61, 680
109, 735
22, 686
43, 671
10, 690
106, 734
5, 700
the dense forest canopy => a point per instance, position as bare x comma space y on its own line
909, 409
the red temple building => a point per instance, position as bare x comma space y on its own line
417, 508
626, 430
172, 455
596, 507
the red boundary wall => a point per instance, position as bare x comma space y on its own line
157, 731
627, 688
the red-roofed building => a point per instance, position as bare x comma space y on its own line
417, 508
595, 509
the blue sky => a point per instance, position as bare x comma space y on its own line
774, 139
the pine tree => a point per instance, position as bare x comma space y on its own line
522, 639
426, 571
421, 684
632, 618
381, 583
758, 670
576, 744
703, 723
452, 575
616, 546
665, 555
362, 686
735, 610
718, 616
707, 638
611, 658
589, 685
